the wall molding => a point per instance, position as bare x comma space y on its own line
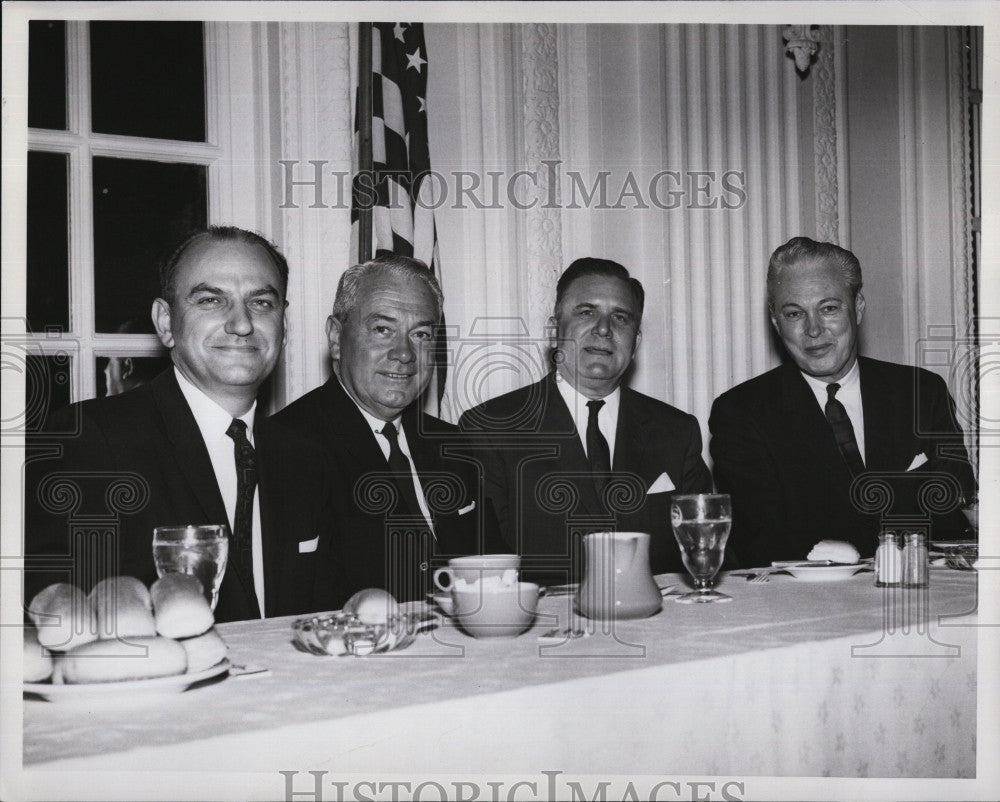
542, 241
829, 138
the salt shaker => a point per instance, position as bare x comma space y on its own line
888, 561
915, 561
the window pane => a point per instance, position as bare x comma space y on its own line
48, 241
141, 210
46, 389
47, 74
148, 79
118, 374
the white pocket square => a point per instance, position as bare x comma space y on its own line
918, 460
307, 546
661, 485
470, 508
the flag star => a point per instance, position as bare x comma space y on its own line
397, 31
423, 104
415, 60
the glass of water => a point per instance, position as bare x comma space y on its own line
701, 525
201, 551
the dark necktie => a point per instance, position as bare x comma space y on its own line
843, 431
240, 546
598, 453
400, 466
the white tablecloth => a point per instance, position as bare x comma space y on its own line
791, 679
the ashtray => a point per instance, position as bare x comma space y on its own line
342, 633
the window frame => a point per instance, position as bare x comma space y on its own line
234, 69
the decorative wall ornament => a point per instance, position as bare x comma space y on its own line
542, 239
830, 133
803, 44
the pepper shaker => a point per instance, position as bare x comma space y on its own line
915, 560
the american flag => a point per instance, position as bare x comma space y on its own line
398, 192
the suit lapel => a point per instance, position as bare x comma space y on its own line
882, 419
181, 430
631, 435
556, 417
273, 519
344, 424
811, 436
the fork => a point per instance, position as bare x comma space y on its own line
762, 577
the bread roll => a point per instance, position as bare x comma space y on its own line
37, 660
372, 606
838, 551
204, 651
64, 617
124, 609
180, 608
114, 661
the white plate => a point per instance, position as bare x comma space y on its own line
822, 573
125, 692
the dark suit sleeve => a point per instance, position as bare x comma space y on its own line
945, 449
57, 461
744, 468
948, 448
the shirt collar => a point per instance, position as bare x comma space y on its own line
849, 382
577, 401
376, 424
210, 417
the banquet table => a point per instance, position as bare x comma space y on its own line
792, 678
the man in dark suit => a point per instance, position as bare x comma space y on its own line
577, 452
189, 447
831, 446
404, 486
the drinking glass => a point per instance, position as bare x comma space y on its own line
701, 525
969, 505
201, 551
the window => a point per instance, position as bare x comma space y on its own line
130, 147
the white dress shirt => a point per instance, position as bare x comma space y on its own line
213, 421
849, 395
607, 416
376, 425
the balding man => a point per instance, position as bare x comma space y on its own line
189, 447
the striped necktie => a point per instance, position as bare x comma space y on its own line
843, 431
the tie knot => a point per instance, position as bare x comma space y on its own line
831, 390
237, 430
595, 407
390, 432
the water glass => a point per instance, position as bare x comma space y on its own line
701, 525
201, 551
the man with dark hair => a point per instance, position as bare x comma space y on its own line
797, 446
577, 452
189, 447
405, 490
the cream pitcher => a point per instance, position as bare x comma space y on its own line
617, 581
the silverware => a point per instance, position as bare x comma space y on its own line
558, 634
558, 590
